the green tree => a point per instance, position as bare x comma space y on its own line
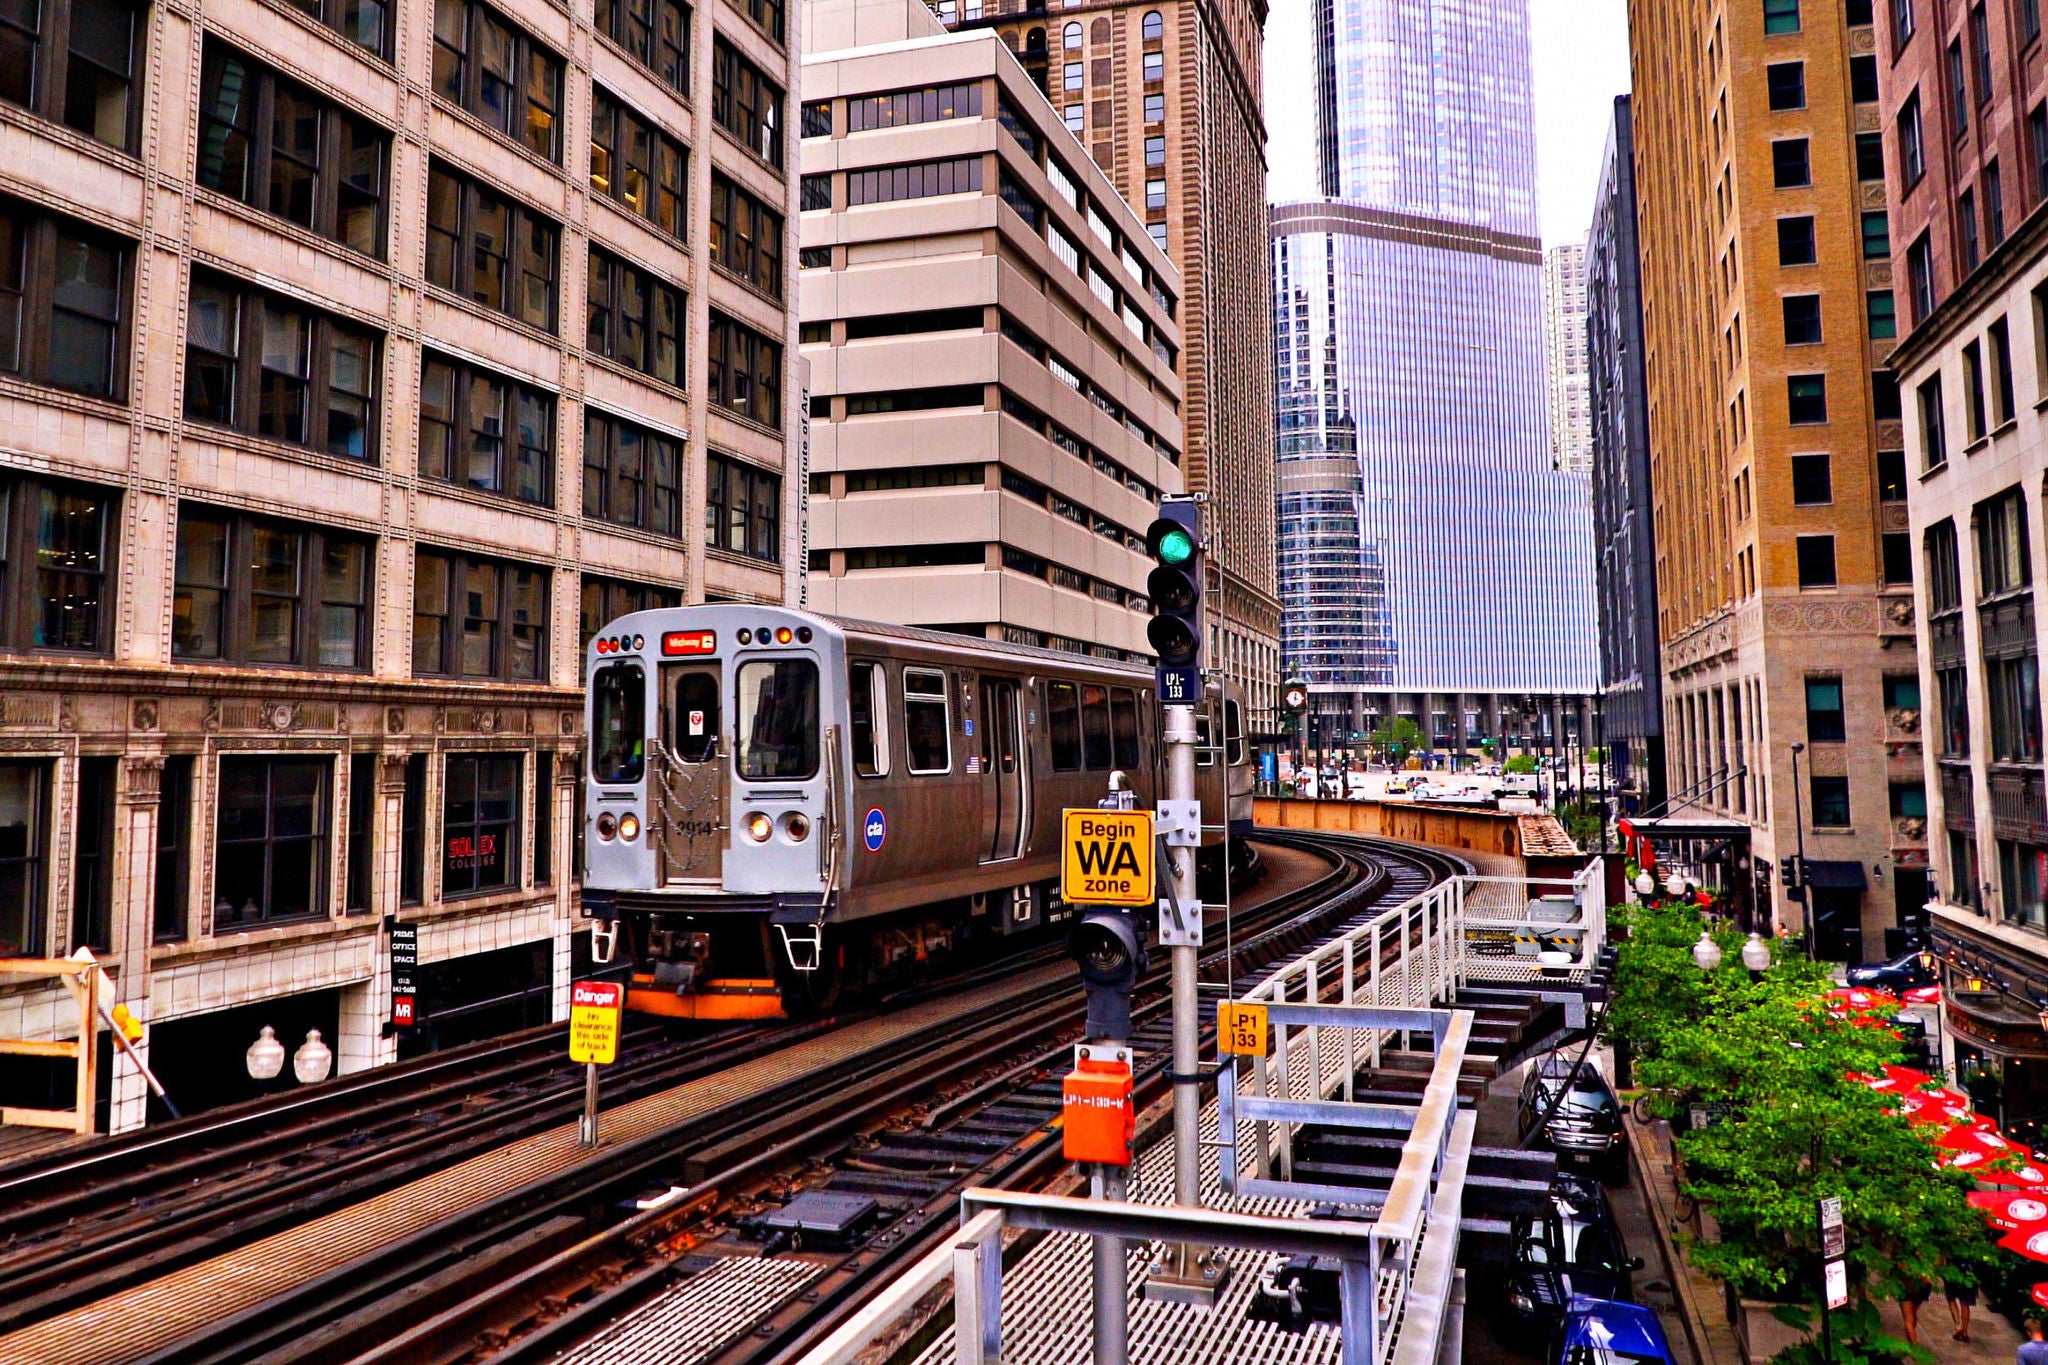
1520, 763
1397, 738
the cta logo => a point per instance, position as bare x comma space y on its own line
875, 830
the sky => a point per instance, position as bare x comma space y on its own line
1580, 54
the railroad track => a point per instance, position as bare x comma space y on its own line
538, 1266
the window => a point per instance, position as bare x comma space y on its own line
496, 71
480, 806
1152, 27
1973, 392
654, 33
746, 235
173, 849
1155, 194
23, 846
916, 180
634, 318
1806, 397
1155, 150
1830, 801
2012, 689
932, 104
270, 851
89, 86
56, 550
1789, 168
276, 146
63, 296
1785, 85
927, 730
412, 832
251, 590
543, 818
1920, 277
1781, 16
1795, 241
634, 162
92, 871
1877, 235
2030, 20
1863, 80
272, 367
1891, 475
1816, 561
1885, 405
1958, 90
362, 808
2037, 139
1812, 482
1154, 66
605, 600
816, 118
478, 618
1902, 691
745, 372
1076, 118
1998, 337
1802, 319
742, 508
1123, 727
1070, 37
867, 701
1064, 708
746, 103
631, 476
1944, 577
1902, 24
1824, 711
1155, 108
489, 249
814, 192
1870, 156
1073, 76
767, 16
485, 431
2003, 564
814, 258
1980, 50
1966, 229
1912, 151
1994, 206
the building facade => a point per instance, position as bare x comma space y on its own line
1432, 561
991, 336
1784, 599
1564, 357
1167, 98
1625, 558
1966, 129
365, 360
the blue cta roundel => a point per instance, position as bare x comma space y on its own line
875, 829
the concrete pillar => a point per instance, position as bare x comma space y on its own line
138, 789
567, 773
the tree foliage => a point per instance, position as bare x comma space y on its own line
1397, 737
1520, 763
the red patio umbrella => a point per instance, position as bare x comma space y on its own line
2039, 1294
1924, 995
2008, 1210
1942, 1106
2031, 1240
1982, 1141
2027, 1174
1861, 998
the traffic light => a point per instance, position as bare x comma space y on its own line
1791, 875
1110, 949
1175, 587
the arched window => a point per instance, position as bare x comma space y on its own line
1071, 35
1098, 32
1034, 41
1154, 26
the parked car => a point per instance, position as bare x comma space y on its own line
1901, 974
1585, 1127
1405, 782
1608, 1332
1572, 1250
1457, 793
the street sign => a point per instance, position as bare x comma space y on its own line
1241, 1030
1833, 1241
1178, 685
1107, 857
405, 956
594, 1020
1837, 1278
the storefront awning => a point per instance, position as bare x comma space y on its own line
1835, 875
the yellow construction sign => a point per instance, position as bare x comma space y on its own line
1107, 857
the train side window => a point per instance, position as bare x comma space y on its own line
695, 718
927, 730
1233, 733
618, 723
1095, 725
1205, 738
1065, 707
1123, 727
868, 702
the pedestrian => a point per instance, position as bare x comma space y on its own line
1917, 1293
1962, 1297
2033, 1351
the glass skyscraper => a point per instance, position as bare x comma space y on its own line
1426, 544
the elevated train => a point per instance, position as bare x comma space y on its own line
784, 808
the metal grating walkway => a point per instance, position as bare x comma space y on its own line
698, 1316
159, 1312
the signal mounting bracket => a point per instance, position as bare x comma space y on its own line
1180, 822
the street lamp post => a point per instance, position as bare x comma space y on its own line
1799, 838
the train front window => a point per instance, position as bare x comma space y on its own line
866, 701
778, 720
695, 717
618, 723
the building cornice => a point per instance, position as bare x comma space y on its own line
1356, 220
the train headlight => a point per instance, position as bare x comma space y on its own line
629, 826
797, 826
759, 827
607, 825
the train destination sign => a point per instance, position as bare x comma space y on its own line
1107, 857
594, 1020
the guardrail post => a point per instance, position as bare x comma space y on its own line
978, 1293
1361, 1314
1375, 970
1350, 1035
1285, 1080
1315, 1033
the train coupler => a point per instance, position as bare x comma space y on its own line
604, 940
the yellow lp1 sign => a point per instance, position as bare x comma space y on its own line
1107, 858
1241, 1030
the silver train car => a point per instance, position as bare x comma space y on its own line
783, 809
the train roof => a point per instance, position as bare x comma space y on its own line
947, 640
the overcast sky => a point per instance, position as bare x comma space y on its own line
1580, 48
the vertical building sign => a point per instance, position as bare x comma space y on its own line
405, 957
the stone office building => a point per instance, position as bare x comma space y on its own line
359, 361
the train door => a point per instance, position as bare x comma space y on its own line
691, 788
1006, 777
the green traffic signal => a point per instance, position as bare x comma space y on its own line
1176, 547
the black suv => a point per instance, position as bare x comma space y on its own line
1585, 1128
1902, 973
1574, 1248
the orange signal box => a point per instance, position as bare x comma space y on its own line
1098, 1119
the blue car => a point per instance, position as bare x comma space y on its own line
1604, 1332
